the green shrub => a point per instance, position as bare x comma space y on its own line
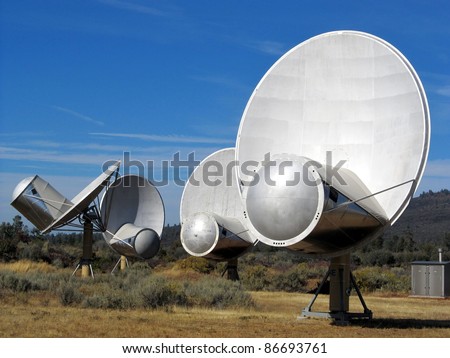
69, 294
45, 281
296, 278
159, 292
380, 258
58, 263
111, 300
217, 293
256, 278
197, 264
382, 279
14, 282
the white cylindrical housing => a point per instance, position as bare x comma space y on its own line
284, 200
133, 240
39, 202
208, 235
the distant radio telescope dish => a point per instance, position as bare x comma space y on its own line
349, 112
133, 214
211, 212
47, 209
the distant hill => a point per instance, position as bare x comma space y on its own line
427, 217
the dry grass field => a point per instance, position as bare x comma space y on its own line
275, 315
40, 313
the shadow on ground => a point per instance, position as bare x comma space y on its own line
403, 323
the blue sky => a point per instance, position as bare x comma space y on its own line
82, 82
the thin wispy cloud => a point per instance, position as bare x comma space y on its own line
24, 155
443, 91
222, 81
79, 115
167, 138
98, 154
45, 144
437, 83
217, 129
133, 6
268, 47
79, 146
23, 134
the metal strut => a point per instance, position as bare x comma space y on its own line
123, 261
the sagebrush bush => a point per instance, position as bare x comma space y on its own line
30, 251
256, 278
46, 281
293, 280
111, 300
382, 279
197, 264
296, 278
379, 258
217, 293
14, 282
159, 292
69, 294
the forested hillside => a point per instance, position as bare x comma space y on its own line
427, 218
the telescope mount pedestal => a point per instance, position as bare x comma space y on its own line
86, 260
341, 283
232, 270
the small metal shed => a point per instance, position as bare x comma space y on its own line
430, 278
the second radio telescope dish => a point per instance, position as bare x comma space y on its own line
211, 212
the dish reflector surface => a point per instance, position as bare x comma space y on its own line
133, 213
211, 211
350, 94
212, 188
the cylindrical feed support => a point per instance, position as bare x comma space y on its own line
340, 284
87, 249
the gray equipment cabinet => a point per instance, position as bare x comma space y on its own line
430, 278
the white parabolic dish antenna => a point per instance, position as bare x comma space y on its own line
346, 100
133, 214
211, 211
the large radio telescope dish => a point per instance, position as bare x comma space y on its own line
346, 100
